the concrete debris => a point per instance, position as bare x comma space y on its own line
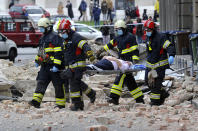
177, 112
104, 120
97, 128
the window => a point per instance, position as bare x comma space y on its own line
10, 27
0, 25
16, 9
123, 4
26, 27
34, 11
1, 38
80, 28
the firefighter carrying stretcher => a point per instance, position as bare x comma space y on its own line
160, 53
127, 51
76, 51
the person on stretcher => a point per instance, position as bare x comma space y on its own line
112, 63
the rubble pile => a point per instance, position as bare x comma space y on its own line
178, 113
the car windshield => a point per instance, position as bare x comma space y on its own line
16, 9
34, 11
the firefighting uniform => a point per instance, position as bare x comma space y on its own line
128, 51
50, 54
75, 54
157, 48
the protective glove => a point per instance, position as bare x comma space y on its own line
171, 60
54, 69
36, 65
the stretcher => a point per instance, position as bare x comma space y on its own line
108, 72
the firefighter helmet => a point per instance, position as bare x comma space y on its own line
44, 22
120, 24
64, 25
149, 24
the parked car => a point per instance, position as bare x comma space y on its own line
55, 18
22, 31
22, 11
8, 48
88, 32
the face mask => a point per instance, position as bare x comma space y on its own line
65, 36
148, 34
119, 32
42, 30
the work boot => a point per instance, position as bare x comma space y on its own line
67, 100
34, 103
77, 106
93, 96
140, 100
74, 108
113, 100
59, 106
164, 95
155, 103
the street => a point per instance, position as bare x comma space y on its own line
25, 55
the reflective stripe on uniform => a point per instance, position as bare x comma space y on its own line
87, 91
106, 47
57, 61
155, 96
156, 65
52, 57
117, 89
133, 92
135, 57
56, 49
116, 92
138, 95
60, 101
77, 64
81, 43
75, 94
129, 49
50, 49
36, 58
111, 42
149, 46
38, 97
166, 44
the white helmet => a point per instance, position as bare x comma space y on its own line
120, 24
44, 22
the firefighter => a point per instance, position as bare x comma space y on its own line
161, 53
49, 57
128, 51
75, 54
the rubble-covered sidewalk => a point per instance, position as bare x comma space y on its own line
178, 112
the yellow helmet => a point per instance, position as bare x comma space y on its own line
44, 22
120, 24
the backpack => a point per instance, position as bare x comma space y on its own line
133, 12
83, 6
104, 7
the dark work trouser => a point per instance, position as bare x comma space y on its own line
66, 86
77, 87
130, 82
45, 76
156, 95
